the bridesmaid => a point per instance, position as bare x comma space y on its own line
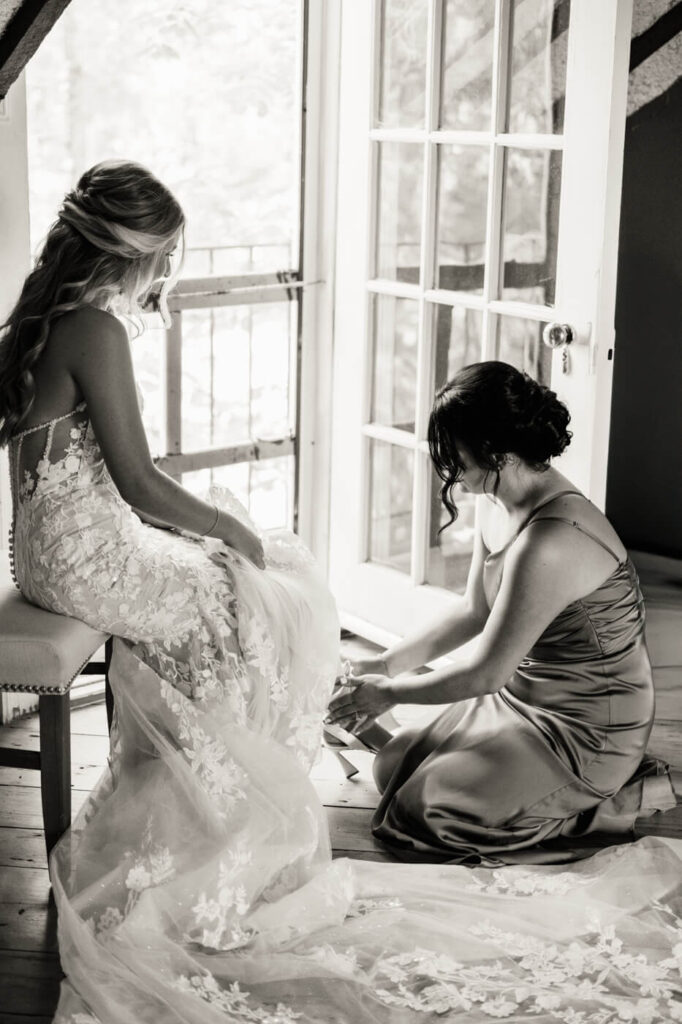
546, 730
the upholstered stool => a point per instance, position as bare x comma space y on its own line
43, 653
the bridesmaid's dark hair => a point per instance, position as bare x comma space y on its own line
494, 410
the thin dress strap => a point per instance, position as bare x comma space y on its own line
15, 451
547, 501
582, 529
524, 524
48, 423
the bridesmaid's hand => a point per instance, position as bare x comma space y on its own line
365, 697
373, 666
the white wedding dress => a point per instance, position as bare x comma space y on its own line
196, 884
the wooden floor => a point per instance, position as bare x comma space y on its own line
29, 964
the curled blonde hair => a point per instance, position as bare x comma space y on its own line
105, 249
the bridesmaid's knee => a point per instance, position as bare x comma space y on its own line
390, 755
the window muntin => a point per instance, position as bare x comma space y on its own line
465, 230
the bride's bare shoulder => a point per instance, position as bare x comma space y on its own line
87, 322
83, 336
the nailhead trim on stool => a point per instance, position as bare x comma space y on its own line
41, 687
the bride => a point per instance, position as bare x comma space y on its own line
196, 883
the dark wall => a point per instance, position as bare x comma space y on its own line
644, 487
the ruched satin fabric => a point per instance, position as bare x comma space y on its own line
553, 763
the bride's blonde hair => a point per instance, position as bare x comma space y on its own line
106, 247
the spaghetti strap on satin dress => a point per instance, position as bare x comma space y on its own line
552, 763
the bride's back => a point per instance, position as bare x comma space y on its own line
56, 390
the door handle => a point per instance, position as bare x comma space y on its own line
555, 335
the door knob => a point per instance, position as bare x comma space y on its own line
555, 334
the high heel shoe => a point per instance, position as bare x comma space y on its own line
336, 739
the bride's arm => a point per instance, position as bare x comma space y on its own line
97, 354
150, 520
462, 622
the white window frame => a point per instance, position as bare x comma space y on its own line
375, 600
311, 287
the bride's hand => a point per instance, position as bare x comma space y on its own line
242, 539
366, 697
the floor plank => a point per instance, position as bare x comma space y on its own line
21, 1018
668, 686
666, 742
91, 720
28, 926
22, 847
20, 806
29, 982
349, 828
83, 776
24, 885
85, 749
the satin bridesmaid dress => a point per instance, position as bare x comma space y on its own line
554, 762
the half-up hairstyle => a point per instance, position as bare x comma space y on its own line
105, 249
494, 410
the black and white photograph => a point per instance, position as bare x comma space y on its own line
340, 511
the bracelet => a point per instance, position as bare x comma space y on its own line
214, 523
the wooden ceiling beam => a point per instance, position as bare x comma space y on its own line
23, 26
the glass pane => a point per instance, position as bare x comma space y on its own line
235, 374
539, 39
449, 555
271, 492
458, 340
233, 164
462, 202
390, 505
265, 488
203, 261
519, 342
148, 357
467, 71
532, 193
272, 328
403, 63
401, 169
396, 328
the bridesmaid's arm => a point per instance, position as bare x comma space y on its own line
538, 582
464, 621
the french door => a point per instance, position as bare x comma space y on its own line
480, 156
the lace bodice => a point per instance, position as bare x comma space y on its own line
50, 458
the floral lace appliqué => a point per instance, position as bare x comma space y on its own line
233, 1001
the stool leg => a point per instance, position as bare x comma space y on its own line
55, 765
108, 693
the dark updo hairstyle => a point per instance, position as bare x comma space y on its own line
493, 410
